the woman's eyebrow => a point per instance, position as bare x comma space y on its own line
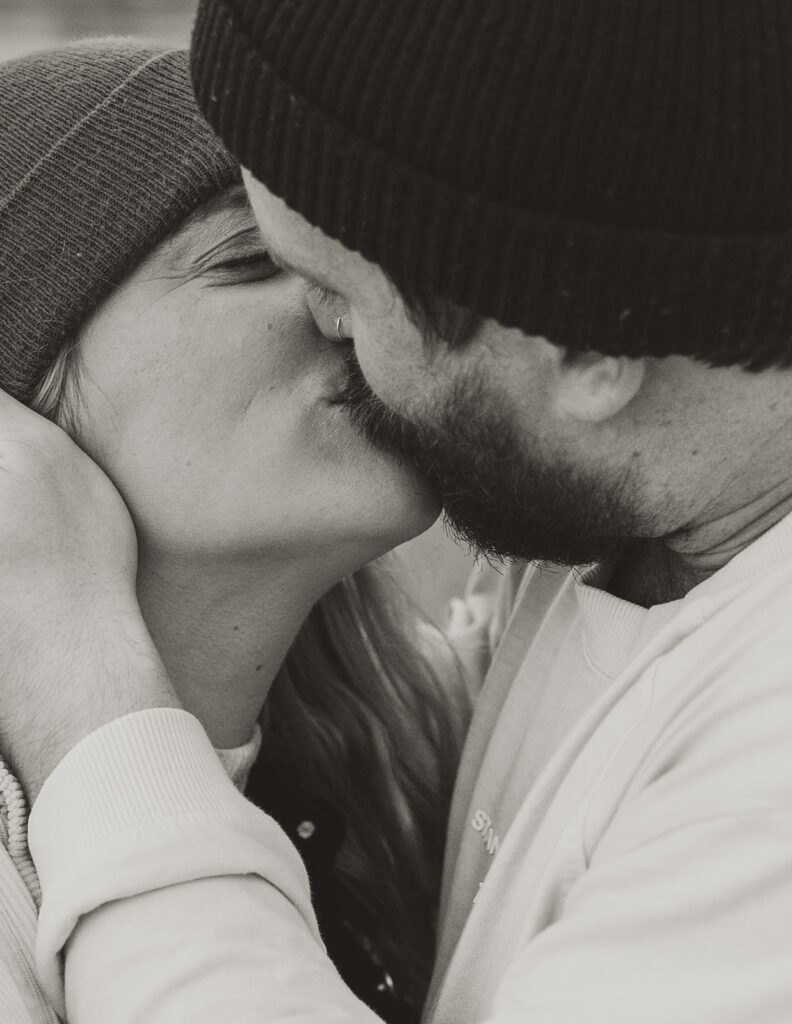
198, 239
207, 248
225, 217
236, 199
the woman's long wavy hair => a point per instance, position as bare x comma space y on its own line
382, 734
359, 717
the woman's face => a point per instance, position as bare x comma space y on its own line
207, 393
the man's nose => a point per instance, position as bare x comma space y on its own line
330, 313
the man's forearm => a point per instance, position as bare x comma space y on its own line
76, 651
110, 669
230, 949
138, 806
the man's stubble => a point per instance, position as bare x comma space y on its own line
500, 497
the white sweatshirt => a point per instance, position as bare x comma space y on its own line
620, 847
22, 1000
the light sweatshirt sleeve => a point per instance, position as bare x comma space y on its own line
226, 928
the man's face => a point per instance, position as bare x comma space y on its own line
476, 420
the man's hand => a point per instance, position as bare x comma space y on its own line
74, 650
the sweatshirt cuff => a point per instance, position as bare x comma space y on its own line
140, 804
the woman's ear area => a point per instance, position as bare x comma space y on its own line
592, 387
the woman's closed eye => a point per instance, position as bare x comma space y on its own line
241, 267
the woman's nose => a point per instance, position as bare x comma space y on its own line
330, 313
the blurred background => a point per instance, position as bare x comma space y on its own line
27, 25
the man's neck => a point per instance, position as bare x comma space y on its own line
652, 575
715, 449
659, 571
223, 629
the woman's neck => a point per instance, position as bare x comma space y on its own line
223, 628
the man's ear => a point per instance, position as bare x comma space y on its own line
592, 387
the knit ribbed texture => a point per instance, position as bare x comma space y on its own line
102, 153
611, 174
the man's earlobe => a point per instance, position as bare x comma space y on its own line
593, 387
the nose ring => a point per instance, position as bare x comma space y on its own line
338, 329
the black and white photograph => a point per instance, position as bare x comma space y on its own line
395, 512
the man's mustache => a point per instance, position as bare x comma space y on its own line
382, 426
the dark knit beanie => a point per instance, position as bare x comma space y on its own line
611, 174
102, 153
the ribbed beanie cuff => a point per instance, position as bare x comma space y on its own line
611, 176
102, 153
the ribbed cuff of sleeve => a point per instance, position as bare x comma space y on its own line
140, 804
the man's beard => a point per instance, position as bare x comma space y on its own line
499, 498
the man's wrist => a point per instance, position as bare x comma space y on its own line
110, 664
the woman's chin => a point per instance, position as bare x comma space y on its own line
414, 506
395, 522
